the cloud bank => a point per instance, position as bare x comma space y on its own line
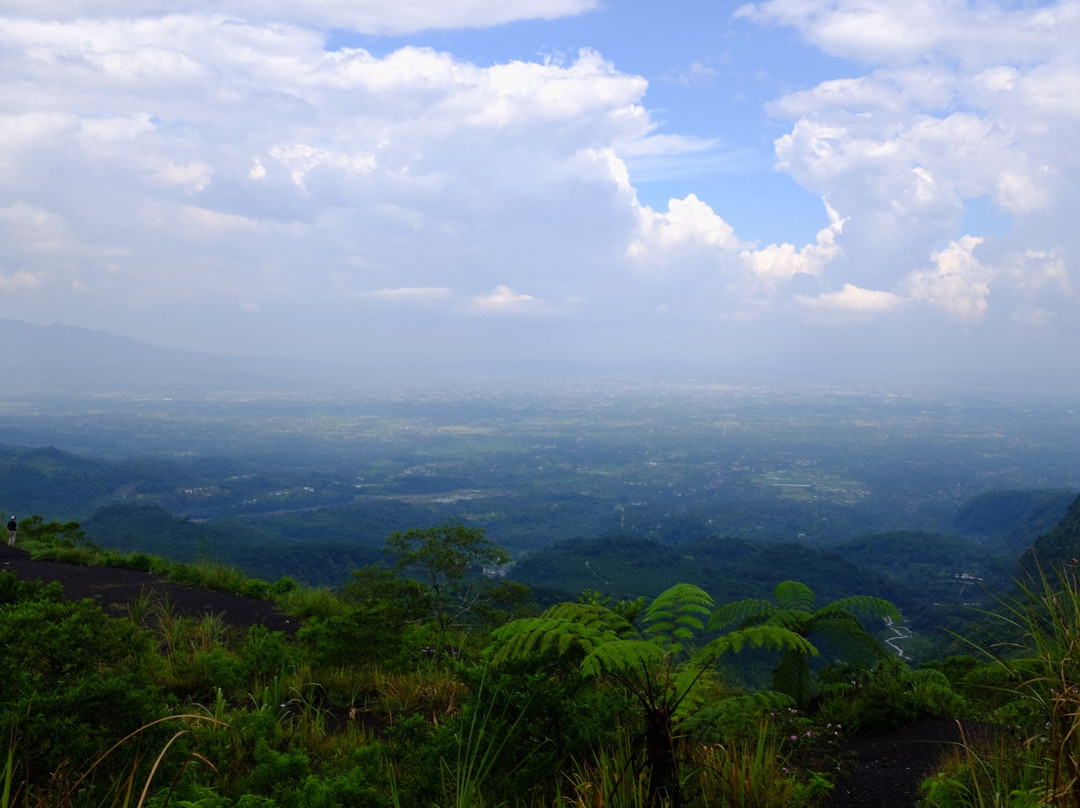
165, 162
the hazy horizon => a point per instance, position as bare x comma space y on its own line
784, 190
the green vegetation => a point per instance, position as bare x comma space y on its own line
392, 695
1031, 756
793, 611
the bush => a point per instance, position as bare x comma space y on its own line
889, 695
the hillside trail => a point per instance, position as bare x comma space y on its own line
889, 768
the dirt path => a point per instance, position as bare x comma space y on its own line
891, 766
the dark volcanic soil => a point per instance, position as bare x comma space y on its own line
889, 767
115, 588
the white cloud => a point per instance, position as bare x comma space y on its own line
958, 283
688, 223
504, 299
269, 163
368, 16
895, 31
852, 300
962, 103
778, 263
409, 294
158, 154
20, 280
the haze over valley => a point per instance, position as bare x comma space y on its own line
582, 479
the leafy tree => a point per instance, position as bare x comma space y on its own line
444, 560
62, 534
656, 665
793, 610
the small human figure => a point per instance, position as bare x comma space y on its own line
12, 527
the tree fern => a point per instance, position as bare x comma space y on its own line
676, 615
863, 604
751, 610
562, 628
793, 611
657, 665
794, 596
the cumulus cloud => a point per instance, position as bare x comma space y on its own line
779, 263
688, 224
895, 31
213, 153
961, 104
957, 283
155, 155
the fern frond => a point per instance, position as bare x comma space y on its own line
673, 615
863, 604
537, 636
794, 596
771, 637
743, 611
733, 713
793, 620
590, 614
845, 631
622, 657
930, 677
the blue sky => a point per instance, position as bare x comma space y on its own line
829, 189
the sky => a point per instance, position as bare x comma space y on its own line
849, 189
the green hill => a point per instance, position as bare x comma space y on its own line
729, 569
1013, 519
1060, 546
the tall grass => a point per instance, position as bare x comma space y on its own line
612, 779
753, 771
481, 744
304, 603
1038, 645
985, 771
9, 774
126, 792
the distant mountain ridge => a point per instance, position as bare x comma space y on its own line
64, 358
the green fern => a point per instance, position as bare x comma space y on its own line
794, 596
748, 610
563, 628
676, 615
793, 611
658, 666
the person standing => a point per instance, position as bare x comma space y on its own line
12, 527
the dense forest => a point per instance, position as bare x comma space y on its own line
431, 679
